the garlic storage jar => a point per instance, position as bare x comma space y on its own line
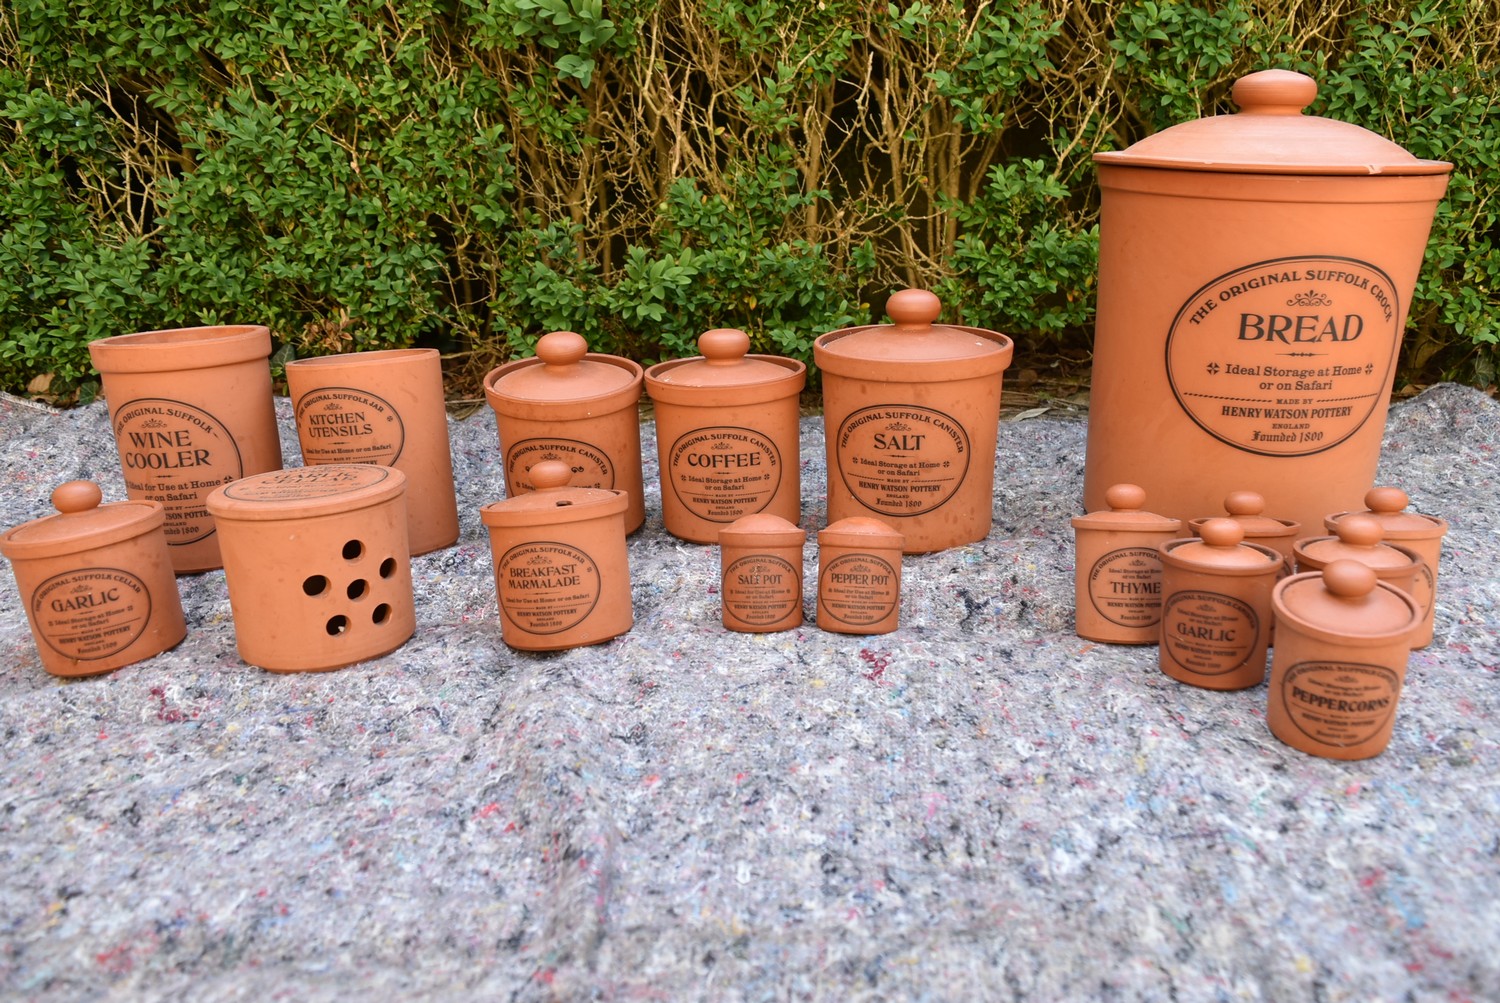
1117, 569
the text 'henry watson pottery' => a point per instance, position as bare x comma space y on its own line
910, 415
726, 435
576, 407
191, 410
1255, 272
97, 582
386, 408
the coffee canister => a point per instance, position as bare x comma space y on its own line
318, 565
97, 582
911, 413
191, 410
726, 435
1255, 274
760, 580
1342, 647
1423, 534
573, 406
562, 573
1117, 568
859, 576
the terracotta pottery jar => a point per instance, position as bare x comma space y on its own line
760, 558
191, 410
576, 407
97, 582
1420, 533
1248, 509
911, 412
1255, 272
1359, 538
386, 408
1340, 661
726, 435
1216, 607
1117, 568
859, 577
317, 563
562, 574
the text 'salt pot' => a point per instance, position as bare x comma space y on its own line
1422, 534
1255, 273
859, 577
191, 410
573, 406
385, 408
910, 415
318, 565
726, 436
760, 565
97, 582
1117, 568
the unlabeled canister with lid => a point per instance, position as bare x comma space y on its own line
1117, 568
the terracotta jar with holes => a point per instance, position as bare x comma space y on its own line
1117, 568
1422, 534
317, 563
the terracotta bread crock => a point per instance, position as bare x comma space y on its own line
191, 410
760, 560
1422, 534
97, 582
386, 408
1340, 663
1255, 273
562, 573
859, 577
574, 406
318, 565
726, 435
1117, 568
911, 412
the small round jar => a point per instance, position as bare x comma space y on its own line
576, 407
1248, 508
317, 563
1423, 534
1360, 538
1216, 607
1340, 660
726, 435
562, 574
911, 414
859, 577
760, 559
97, 582
1117, 569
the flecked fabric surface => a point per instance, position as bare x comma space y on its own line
979, 806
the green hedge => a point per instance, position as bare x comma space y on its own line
470, 174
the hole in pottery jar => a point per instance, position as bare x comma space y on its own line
357, 588
315, 585
353, 549
563, 504
337, 625
387, 567
382, 613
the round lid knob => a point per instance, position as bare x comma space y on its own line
1359, 531
550, 474
561, 348
1274, 92
1125, 497
723, 345
1386, 501
76, 496
1349, 579
1222, 533
1245, 503
913, 308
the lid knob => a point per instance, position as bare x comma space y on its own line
1125, 497
1386, 501
561, 348
550, 474
1221, 533
913, 308
76, 496
1349, 579
1359, 530
1245, 503
723, 345
1274, 92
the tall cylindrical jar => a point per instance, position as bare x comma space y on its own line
911, 414
1423, 534
191, 410
1255, 273
726, 435
1117, 568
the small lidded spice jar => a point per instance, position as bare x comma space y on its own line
859, 577
1117, 569
562, 574
1360, 538
1340, 661
761, 573
1216, 607
1420, 533
97, 582
1248, 509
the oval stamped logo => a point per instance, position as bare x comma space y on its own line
902, 460
176, 453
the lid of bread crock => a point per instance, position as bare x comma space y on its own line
81, 523
1344, 598
914, 339
1357, 537
761, 529
1126, 513
305, 492
1221, 547
1271, 135
553, 501
563, 370
1387, 506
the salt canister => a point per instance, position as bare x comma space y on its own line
1117, 568
760, 560
859, 577
1423, 534
97, 582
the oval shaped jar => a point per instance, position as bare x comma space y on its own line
1117, 569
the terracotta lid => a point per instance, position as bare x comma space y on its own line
563, 370
761, 529
553, 502
305, 492
181, 349
1221, 549
1247, 508
1356, 537
1125, 514
1347, 598
915, 339
81, 523
861, 531
1271, 135
1387, 506
725, 367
